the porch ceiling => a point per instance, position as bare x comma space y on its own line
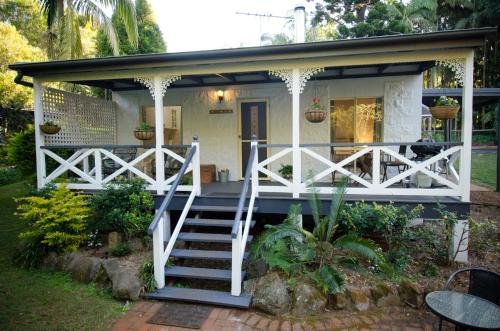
263, 77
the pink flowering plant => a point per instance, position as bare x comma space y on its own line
315, 105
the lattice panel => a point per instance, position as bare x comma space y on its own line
83, 120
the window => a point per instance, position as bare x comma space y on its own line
356, 120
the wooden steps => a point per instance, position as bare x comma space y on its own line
208, 237
212, 222
201, 296
199, 273
219, 209
202, 254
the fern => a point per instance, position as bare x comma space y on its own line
328, 279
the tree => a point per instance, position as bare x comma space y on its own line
416, 16
66, 17
25, 16
149, 34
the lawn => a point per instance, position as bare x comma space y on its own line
44, 299
484, 169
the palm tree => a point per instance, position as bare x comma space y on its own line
289, 247
64, 18
417, 15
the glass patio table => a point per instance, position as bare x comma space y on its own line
464, 310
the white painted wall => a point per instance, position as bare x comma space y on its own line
218, 133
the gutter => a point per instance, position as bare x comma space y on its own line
19, 79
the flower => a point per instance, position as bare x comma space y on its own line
315, 105
446, 101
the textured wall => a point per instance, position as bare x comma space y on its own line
218, 133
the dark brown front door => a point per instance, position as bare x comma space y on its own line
253, 121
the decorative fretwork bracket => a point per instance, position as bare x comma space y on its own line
148, 81
304, 75
457, 65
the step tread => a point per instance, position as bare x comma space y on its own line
201, 296
207, 237
219, 208
212, 222
203, 254
200, 273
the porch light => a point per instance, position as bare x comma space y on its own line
220, 95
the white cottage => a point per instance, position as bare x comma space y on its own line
247, 109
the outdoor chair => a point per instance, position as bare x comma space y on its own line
365, 165
127, 154
483, 283
172, 166
391, 162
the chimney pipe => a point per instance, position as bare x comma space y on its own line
299, 16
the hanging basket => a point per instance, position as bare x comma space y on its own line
144, 135
315, 116
50, 129
444, 112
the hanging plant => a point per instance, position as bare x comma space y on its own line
315, 113
50, 127
144, 131
445, 108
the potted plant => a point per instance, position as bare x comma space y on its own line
223, 175
50, 127
286, 171
315, 113
445, 108
144, 131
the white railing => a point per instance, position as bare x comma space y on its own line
240, 230
160, 226
440, 168
86, 167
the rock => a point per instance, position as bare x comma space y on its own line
114, 238
255, 268
384, 296
125, 283
250, 285
271, 295
433, 285
360, 297
308, 300
339, 301
83, 268
53, 261
411, 293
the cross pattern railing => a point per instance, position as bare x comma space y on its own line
87, 167
439, 167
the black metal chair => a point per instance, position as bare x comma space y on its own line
127, 154
172, 165
395, 163
483, 283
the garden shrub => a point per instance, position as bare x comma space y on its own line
146, 275
385, 220
55, 223
9, 175
21, 152
317, 254
124, 206
121, 249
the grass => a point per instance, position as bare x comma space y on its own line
484, 167
45, 299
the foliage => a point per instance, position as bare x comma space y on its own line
121, 249
146, 275
286, 170
9, 175
66, 17
56, 223
318, 254
150, 39
444, 101
49, 123
144, 127
385, 220
124, 206
21, 150
484, 233
14, 48
315, 105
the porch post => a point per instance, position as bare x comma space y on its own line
296, 156
465, 157
39, 139
159, 159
